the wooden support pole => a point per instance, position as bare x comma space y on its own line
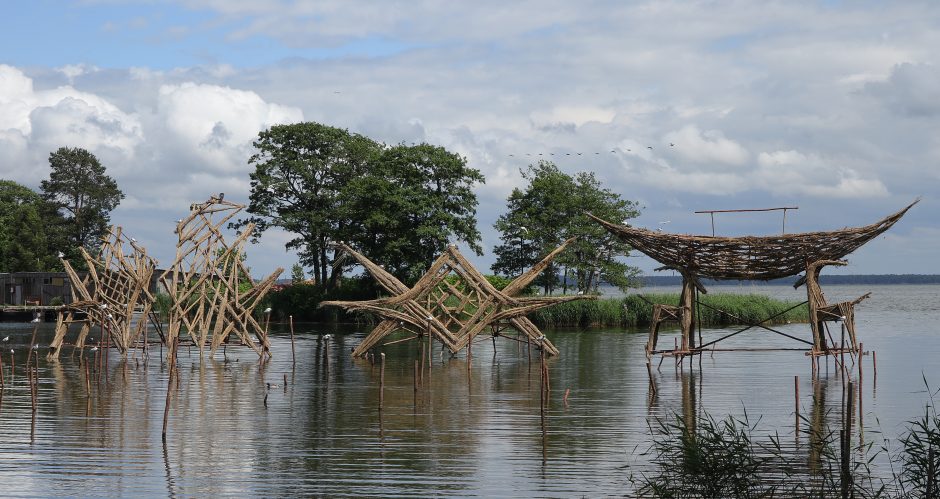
293, 355
796, 402
382, 382
169, 385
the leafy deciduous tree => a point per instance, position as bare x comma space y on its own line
26, 244
552, 208
300, 169
400, 205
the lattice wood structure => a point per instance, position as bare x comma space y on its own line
204, 281
454, 311
751, 258
116, 289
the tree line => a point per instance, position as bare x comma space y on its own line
399, 204
71, 210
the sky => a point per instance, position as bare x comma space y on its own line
683, 106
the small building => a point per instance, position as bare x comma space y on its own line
35, 288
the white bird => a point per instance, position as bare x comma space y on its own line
267, 310
580, 292
104, 305
133, 240
179, 220
110, 316
327, 337
523, 229
35, 347
35, 319
93, 349
6, 339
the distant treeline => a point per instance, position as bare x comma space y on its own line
668, 280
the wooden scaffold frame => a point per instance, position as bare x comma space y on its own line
453, 310
205, 278
116, 289
759, 258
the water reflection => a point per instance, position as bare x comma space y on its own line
474, 426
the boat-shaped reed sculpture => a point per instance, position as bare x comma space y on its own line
759, 258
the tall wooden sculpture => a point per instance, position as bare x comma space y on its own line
452, 302
116, 289
212, 293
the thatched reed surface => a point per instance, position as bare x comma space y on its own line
750, 257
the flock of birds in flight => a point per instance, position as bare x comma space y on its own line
612, 151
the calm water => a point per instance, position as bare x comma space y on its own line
462, 433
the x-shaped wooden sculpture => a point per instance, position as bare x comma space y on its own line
452, 309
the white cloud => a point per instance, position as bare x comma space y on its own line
710, 146
911, 89
35, 122
797, 173
217, 124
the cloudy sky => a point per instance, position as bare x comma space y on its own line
830, 106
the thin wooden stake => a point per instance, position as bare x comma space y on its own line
796, 401
293, 355
382, 382
169, 385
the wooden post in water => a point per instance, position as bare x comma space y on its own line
2, 382
861, 354
382, 382
169, 385
430, 361
32, 342
293, 355
796, 402
416, 385
87, 379
931, 474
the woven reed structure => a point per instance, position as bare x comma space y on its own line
453, 303
116, 289
750, 258
207, 281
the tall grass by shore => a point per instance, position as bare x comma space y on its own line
720, 309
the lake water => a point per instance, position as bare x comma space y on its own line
464, 432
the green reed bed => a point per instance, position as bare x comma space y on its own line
718, 309
703, 457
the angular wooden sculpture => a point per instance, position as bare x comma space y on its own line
454, 310
116, 289
207, 281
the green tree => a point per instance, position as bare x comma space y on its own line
81, 191
412, 203
552, 208
297, 274
300, 170
399, 205
25, 225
